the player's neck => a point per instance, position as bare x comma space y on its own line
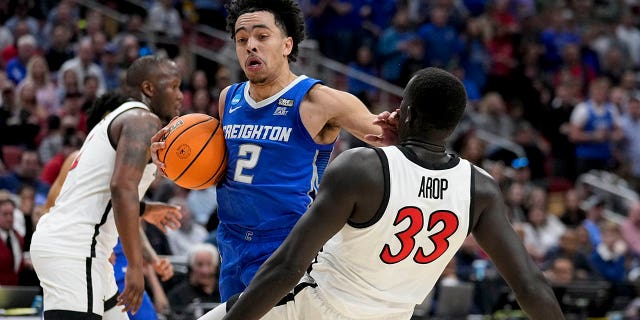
261, 91
427, 145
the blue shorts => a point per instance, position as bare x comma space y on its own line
242, 252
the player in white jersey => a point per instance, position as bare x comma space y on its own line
100, 199
387, 221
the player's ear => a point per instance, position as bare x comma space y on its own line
147, 88
288, 46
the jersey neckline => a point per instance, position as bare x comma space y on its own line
429, 165
256, 105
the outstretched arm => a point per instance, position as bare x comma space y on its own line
496, 236
327, 110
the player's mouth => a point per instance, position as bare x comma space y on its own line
254, 63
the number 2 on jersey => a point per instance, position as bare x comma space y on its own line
416, 223
251, 153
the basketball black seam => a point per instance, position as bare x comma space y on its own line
198, 154
224, 160
176, 138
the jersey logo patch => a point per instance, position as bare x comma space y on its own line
285, 102
235, 99
281, 111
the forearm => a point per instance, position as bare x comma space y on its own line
148, 253
126, 208
270, 284
538, 300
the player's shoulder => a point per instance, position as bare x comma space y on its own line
485, 187
360, 161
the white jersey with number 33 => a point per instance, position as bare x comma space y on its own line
390, 264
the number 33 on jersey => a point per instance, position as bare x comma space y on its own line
422, 222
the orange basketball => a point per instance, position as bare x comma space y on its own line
195, 155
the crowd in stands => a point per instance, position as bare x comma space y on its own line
559, 79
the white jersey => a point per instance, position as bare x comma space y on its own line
81, 223
383, 268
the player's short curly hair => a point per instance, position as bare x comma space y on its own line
287, 14
438, 97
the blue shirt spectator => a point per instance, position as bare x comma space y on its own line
392, 46
440, 39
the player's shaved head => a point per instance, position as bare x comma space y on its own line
437, 99
146, 68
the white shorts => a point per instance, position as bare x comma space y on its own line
305, 302
77, 286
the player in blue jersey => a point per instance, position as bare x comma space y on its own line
279, 129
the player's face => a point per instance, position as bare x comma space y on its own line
167, 98
261, 46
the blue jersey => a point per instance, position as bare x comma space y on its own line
595, 121
274, 166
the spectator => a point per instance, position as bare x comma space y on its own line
70, 84
164, 21
17, 67
568, 249
11, 246
66, 14
202, 282
594, 127
561, 272
441, 39
110, 68
21, 14
70, 143
364, 63
515, 202
493, 116
393, 44
630, 228
59, 51
614, 64
474, 55
51, 144
608, 257
29, 118
83, 65
415, 51
573, 215
203, 203
38, 75
190, 232
202, 102
72, 114
556, 129
26, 172
90, 92
630, 124
595, 216
541, 232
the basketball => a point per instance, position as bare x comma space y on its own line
195, 155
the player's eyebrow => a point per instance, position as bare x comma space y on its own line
243, 28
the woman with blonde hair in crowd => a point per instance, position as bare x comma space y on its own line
38, 75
